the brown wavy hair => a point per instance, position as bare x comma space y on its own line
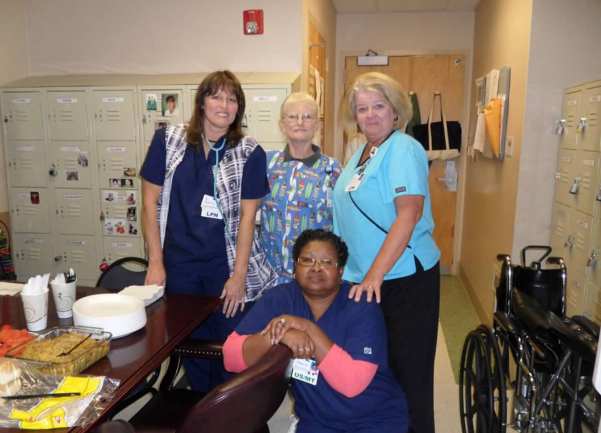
211, 85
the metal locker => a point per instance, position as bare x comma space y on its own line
562, 238
571, 119
566, 180
117, 248
67, 115
118, 164
71, 164
26, 162
79, 253
582, 230
75, 211
593, 261
589, 121
120, 213
263, 115
113, 112
23, 115
32, 255
156, 104
30, 210
576, 292
595, 300
587, 175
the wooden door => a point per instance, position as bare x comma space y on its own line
424, 75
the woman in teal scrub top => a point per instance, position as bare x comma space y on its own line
382, 210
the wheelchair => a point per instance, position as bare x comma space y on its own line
534, 358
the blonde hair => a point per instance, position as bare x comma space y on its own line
389, 88
299, 97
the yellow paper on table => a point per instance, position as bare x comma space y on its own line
492, 117
60, 412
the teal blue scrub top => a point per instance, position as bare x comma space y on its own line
399, 167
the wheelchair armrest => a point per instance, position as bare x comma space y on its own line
588, 325
505, 323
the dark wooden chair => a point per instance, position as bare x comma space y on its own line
243, 404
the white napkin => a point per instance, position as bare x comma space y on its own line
147, 294
36, 285
59, 278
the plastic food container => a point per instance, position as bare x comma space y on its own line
64, 351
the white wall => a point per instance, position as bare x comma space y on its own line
401, 33
13, 63
155, 36
564, 50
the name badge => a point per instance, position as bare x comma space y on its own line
354, 183
305, 370
209, 208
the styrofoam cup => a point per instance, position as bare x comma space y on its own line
36, 310
64, 296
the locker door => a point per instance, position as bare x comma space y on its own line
22, 115
576, 292
571, 119
263, 115
30, 210
118, 165
561, 231
115, 248
120, 213
590, 113
155, 110
32, 254
67, 115
81, 254
71, 164
593, 261
587, 177
26, 161
582, 230
75, 212
566, 182
595, 299
114, 115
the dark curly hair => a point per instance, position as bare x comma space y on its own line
321, 235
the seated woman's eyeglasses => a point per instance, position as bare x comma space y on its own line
311, 261
303, 117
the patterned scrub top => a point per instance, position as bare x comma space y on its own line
300, 198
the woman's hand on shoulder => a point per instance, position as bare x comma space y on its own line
371, 286
233, 295
155, 274
278, 326
299, 342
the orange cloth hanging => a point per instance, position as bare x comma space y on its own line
492, 116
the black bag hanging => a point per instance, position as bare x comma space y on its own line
416, 119
441, 140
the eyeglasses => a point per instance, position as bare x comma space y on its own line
311, 261
296, 117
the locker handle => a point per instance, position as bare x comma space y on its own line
5, 119
592, 259
569, 243
582, 124
58, 258
575, 185
52, 171
598, 198
560, 127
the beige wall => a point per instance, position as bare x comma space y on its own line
501, 38
323, 15
564, 50
154, 36
13, 65
399, 34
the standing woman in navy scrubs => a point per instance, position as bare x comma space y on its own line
382, 210
201, 187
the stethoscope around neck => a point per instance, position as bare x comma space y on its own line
217, 147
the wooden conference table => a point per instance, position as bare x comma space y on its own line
133, 357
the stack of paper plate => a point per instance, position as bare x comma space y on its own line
115, 313
147, 294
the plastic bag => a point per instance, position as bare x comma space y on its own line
91, 395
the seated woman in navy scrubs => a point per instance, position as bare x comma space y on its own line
341, 380
201, 187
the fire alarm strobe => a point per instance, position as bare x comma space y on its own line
253, 21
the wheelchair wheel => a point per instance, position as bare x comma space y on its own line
482, 398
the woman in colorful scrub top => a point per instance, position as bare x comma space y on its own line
301, 179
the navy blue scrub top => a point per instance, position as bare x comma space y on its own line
359, 329
194, 243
